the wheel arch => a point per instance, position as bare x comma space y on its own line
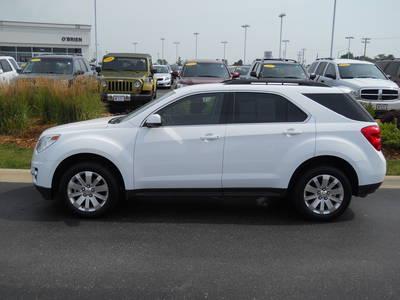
328, 160
85, 157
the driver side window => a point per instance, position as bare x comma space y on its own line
330, 71
200, 109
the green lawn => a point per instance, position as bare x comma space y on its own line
14, 157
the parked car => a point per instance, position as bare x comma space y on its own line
366, 82
242, 70
277, 68
204, 71
313, 143
9, 69
127, 80
391, 68
163, 75
58, 67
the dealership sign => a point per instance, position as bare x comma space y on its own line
71, 39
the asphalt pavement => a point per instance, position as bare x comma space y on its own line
197, 249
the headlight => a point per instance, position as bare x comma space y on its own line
355, 94
137, 84
46, 141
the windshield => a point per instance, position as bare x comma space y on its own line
242, 70
161, 69
144, 107
217, 70
348, 71
49, 66
111, 63
273, 70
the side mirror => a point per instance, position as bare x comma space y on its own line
253, 74
153, 71
153, 120
235, 75
313, 76
98, 69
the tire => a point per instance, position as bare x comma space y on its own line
83, 203
325, 201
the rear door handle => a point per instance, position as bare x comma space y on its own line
292, 131
209, 137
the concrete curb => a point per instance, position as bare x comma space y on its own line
24, 176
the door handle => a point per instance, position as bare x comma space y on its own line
292, 131
209, 137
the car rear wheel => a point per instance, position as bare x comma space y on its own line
89, 190
322, 193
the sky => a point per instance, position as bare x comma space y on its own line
307, 24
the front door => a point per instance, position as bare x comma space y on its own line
186, 150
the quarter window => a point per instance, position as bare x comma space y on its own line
330, 71
198, 109
265, 108
393, 69
5, 65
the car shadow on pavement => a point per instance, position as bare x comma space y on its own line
21, 202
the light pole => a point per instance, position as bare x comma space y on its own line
162, 48
282, 15
134, 45
176, 50
333, 26
224, 43
349, 38
365, 41
196, 34
245, 26
285, 49
95, 28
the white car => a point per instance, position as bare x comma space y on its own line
163, 75
9, 69
367, 83
315, 144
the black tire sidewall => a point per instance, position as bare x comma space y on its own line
109, 177
303, 179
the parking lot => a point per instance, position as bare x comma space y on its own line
197, 249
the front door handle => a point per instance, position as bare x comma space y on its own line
209, 137
292, 131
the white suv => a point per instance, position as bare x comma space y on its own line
9, 69
367, 83
314, 143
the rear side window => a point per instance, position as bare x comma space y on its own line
393, 69
5, 65
342, 104
265, 108
320, 68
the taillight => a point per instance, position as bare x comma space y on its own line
373, 135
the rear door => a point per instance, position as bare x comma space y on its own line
268, 138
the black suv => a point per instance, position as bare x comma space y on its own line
392, 68
277, 68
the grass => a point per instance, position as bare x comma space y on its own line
14, 157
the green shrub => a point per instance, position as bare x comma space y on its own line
48, 101
370, 109
390, 135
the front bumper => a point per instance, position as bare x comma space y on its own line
164, 83
45, 192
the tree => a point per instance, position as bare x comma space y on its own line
384, 57
238, 63
179, 62
348, 55
162, 62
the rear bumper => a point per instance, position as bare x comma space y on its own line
364, 190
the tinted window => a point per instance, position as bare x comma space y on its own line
265, 108
393, 68
330, 70
311, 69
83, 66
49, 66
111, 63
14, 63
77, 66
198, 109
5, 65
320, 68
278, 70
342, 104
194, 69
348, 71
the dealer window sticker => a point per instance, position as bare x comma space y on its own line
35, 59
191, 64
108, 59
343, 65
269, 66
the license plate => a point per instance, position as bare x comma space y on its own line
381, 107
119, 98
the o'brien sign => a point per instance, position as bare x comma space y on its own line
71, 39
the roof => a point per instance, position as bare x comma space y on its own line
204, 61
348, 61
57, 56
121, 54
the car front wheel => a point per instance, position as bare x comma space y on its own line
88, 189
322, 193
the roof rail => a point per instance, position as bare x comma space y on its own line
278, 59
327, 58
274, 82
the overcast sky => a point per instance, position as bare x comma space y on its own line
307, 25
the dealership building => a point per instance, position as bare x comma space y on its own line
24, 40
